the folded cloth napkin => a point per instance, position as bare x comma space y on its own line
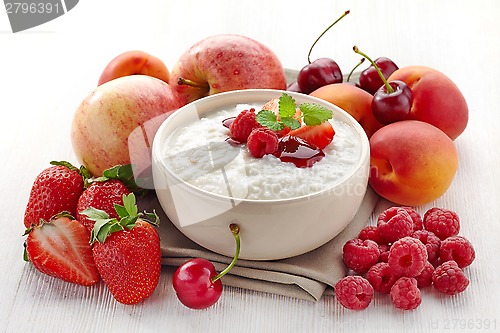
307, 276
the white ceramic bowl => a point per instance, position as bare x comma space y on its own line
270, 229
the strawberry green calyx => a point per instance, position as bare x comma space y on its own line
82, 170
128, 216
123, 173
312, 114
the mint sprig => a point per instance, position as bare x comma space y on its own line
312, 114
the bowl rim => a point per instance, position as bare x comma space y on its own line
364, 154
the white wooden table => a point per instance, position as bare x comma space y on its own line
46, 71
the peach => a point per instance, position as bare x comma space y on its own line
411, 162
117, 122
357, 102
133, 63
436, 99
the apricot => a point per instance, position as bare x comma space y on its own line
436, 99
411, 162
133, 63
353, 100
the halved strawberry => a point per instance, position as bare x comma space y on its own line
319, 135
61, 248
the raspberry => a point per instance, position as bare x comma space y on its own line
354, 292
262, 141
243, 125
448, 278
370, 232
424, 279
458, 249
381, 277
394, 223
431, 242
405, 294
442, 222
407, 257
384, 252
415, 217
359, 255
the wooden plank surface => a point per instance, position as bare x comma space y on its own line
47, 71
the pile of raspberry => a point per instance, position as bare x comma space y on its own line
402, 254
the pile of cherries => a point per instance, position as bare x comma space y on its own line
391, 100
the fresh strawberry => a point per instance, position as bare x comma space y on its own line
101, 195
319, 135
126, 251
55, 189
61, 248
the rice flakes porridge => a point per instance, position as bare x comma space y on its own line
200, 155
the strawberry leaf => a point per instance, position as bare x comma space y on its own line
129, 221
130, 204
121, 211
152, 218
95, 214
315, 114
102, 228
125, 174
268, 119
286, 106
105, 228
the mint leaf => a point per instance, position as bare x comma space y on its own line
291, 123
315, 114
286, 106
268, 119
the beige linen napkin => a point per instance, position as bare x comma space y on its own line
306, 276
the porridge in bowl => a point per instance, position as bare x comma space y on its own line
201, 155
290, 189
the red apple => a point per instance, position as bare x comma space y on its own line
117, 122
133, 63
436, 99
223, 63
411, 162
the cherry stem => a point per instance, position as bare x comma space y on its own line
182, 81
387, 85
235, 230
352, 71
317, 39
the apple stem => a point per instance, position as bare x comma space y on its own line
352, 70
317, 39
235, 230
182, 81
387, 85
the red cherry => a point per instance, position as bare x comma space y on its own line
319, 73
294, 86
369, 79
197, 284
389, 107
393, 101
194, 285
